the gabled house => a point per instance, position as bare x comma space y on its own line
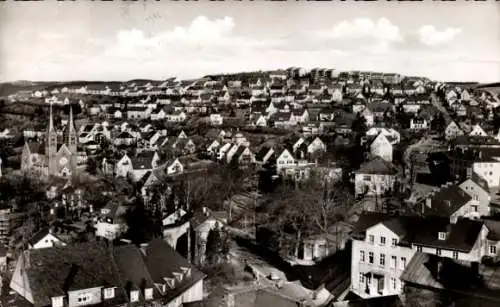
450, 201
110, 222
452, 131
419, 124
213, 147
285, 159
137, 166
126, 275
316, 146
477, 188
45, 238
381, 147
374, 177
477, 131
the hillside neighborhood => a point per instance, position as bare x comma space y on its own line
292, 187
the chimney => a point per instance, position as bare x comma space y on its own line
469, 173
448, 202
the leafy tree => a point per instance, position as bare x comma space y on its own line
218, 245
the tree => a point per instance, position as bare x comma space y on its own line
308, 208
218, 245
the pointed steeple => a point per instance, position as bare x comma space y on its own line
70, 123
51, 121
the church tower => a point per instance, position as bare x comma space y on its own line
69, 136
70, 140
51, 145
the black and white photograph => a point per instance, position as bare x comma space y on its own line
249, 153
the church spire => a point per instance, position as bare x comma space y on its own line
51, 121
70, 123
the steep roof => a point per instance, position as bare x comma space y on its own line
377, 166
144, 160
55, 271
448, 200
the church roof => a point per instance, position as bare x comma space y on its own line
36, 148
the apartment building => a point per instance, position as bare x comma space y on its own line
383, 245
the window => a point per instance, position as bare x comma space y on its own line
134, 296
362, 256
442, 235
403, 263
367, 178
419, 249
85, 297
361, 278
370, 257
57, 301
394, 242
455, 255
493, 249
438, 251
371, 239
148, 293
394, 261
109, 293
474, 208
393, 283
382, 259
382, 240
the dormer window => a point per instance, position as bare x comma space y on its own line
148, 293
170, 282
442, 235
178, 276
109, 293
134, 295
57, 301
186, 271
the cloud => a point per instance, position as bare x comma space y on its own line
367, 35
430, 36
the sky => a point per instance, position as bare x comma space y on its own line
62, 41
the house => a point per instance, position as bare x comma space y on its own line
243, 156
176, 117
316, 145
477, 188
260, 121
216, 119
184, 145
368, 116
418, 124
137, 166
266, 154
110, 222
124, 139
452, 131
213, 147
452, 202
152, 274
384, 248
139, 112
381, 147
44, 238
392, 135
374, 177
477, 131
284, 160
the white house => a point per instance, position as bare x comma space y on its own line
419, 124
392, 135
477, 188
216, 119
374, 177
477, 131
284, 160
316, 145
45, 238
452, 131
381, 147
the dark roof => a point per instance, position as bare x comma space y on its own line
421, 271
57, 270
262, 153
125, 135
162, 260
143, 160
493, 229
424, 230
40, 235
480, 181
379, 107
448, 200
377, 166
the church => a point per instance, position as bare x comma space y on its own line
54, 158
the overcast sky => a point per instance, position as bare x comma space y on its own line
121, 40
